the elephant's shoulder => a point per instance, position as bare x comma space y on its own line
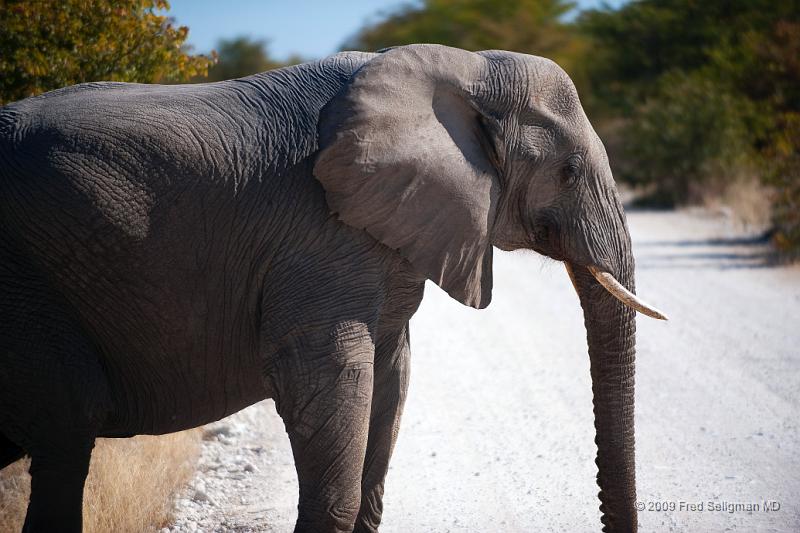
348, 61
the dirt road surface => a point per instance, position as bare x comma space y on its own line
497, 433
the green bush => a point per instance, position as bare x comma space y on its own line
690, 135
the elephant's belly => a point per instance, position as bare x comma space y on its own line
177, 392
175, 361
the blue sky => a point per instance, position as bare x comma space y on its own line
311, 28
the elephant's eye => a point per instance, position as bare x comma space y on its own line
571, 172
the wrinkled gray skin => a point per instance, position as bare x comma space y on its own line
172, 254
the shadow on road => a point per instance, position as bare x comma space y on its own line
757, 240
714, 253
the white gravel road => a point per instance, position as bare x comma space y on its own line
497, 433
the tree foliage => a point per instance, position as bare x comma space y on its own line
47, 44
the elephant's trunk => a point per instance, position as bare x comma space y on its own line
610, 329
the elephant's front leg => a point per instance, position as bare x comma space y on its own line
388, 398
324, 400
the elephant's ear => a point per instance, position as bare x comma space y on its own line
406, 154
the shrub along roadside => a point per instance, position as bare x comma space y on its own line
708, 94
689, 134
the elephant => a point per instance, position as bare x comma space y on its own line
170, 254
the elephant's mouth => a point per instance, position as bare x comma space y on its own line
544, 237
616, 289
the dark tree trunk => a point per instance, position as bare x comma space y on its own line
610, 329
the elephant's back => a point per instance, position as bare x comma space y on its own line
123, 147
127, 137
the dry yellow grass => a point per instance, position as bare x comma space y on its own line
129, 488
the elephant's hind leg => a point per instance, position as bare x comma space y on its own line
53, 394
9, 452
58, 409
57, 480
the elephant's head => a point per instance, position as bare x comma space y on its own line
442, 153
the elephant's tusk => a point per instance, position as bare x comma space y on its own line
622, 294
